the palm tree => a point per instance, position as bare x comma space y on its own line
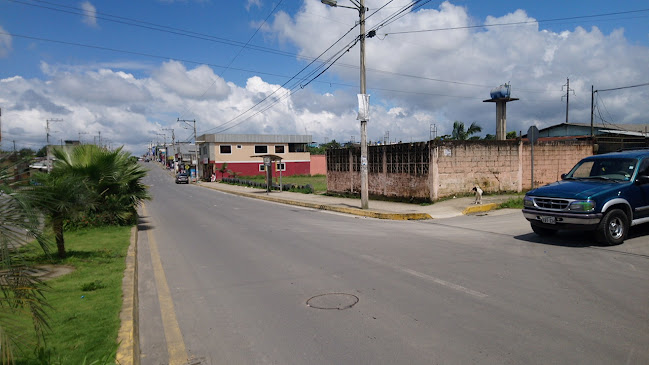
61, 197
223, 169
21, 292
90, 181
114, 179
460, 134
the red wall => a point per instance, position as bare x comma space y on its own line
252, 169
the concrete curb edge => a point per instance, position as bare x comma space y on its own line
128, 338
480, 208
354, 211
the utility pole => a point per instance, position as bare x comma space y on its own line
173, 145
592, 107
47, 140
0, 124
80, 133
187, 121
568, 90
363, 98
364, 182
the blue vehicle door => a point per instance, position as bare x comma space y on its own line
642, 210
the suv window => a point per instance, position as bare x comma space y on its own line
613, 168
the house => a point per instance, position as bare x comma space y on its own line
584, 130
243, 154
606, 137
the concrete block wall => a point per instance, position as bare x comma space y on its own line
551, 159
457, 166
492, 165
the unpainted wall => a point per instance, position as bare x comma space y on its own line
439, 169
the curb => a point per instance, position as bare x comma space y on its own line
480, 208
353, 211
128, 337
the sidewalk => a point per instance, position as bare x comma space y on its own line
377, 209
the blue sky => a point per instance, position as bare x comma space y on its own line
101, 67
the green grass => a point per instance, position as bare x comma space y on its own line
85, 304
319, 182
513, 203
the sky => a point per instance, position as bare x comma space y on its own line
136, 73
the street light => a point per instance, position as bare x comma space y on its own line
363, 98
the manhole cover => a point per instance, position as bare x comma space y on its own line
338, 301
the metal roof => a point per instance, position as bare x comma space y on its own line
255, 138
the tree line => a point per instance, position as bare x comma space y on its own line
459, 133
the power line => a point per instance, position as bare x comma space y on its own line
624, 87
520, 23
240, 50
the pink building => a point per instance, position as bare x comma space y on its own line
243, 154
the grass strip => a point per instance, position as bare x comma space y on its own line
85, 304
318, 182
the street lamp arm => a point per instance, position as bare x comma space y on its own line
334, 4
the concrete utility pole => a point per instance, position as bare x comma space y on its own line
187, 121
568, 90
47, 140
363, 98
173, 145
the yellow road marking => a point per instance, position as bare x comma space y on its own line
175, 342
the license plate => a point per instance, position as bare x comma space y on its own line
548, 220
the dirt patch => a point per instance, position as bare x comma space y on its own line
47, 272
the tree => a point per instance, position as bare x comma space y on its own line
90, 182
61, 197
42, 152
322, 149
460, 134
511, 135
21, 291
223, 169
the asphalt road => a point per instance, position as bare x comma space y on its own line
232, 280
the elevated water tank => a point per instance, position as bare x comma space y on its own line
501, 92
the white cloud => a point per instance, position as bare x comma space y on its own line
251, 3
5, 43
536, 62
426, 78
90, 14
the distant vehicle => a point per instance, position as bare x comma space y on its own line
605, 193
182, 178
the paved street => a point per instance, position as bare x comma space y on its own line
226, 279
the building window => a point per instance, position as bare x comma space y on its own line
225, 149
280, 166
279, 149
262, 167
261, 149
239, 146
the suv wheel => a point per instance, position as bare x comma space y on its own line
613, 228
542, 231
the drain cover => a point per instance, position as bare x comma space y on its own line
338, 301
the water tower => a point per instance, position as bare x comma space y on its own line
501, 95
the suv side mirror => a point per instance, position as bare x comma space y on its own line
642, 179
563, 176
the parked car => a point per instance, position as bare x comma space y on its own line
182, 178
605, 193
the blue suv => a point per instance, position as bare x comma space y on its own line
605, 193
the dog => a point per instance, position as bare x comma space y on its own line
478, 195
